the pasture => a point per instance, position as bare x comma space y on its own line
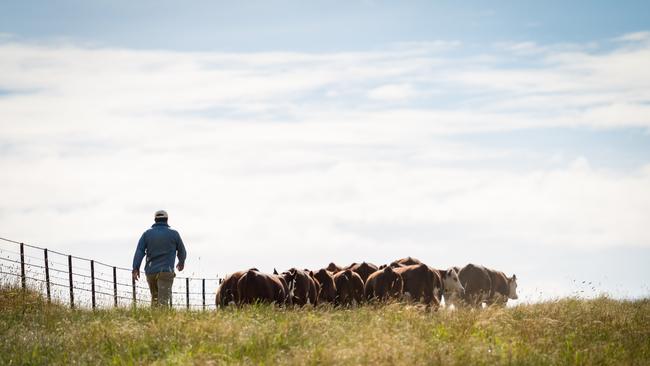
566, 331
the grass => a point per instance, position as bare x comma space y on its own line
568, 331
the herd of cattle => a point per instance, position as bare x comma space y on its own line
404, 279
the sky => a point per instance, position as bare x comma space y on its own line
513, 134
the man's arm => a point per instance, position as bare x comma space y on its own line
182, 254
138, 256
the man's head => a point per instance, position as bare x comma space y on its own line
161, 216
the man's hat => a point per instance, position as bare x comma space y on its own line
161, 214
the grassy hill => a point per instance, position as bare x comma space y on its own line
568, 331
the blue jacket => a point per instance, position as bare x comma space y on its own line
160, 244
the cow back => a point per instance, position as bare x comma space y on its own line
364, 270
255, 287
418, 282
499, 287
477, 283
327, 291
383, 284
349, 287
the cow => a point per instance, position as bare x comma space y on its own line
384, 284
333, 268
349, 288
448, 284
303, 286
418, 283
363, 269
254, 286
316, 283
327, 286
227, 291
477, 283
503, 288
408, 261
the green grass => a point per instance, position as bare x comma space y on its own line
567, 331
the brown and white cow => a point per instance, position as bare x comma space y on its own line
363, 269
487, 285
302, 285
449, 284
418, 283
327, 291
254, 286
503, 288
349, 288
227, 291
384, 284
477, 283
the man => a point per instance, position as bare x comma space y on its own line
160, 244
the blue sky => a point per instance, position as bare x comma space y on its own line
317, 25
281, 134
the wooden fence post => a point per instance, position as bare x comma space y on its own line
92, 281
71, 282
47, 275
23, 280
203, 291
187, 292
115, 286
133, 285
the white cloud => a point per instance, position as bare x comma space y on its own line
634, 37
394, 92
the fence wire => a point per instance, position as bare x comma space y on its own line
83, 282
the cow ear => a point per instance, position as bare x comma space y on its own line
275, 271
514, 276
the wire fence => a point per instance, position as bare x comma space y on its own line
84, 282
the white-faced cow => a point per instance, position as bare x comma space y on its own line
503, 288
486, 285
450, 285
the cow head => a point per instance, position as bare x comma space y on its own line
512, 287
451, 282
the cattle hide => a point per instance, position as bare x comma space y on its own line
363, 269
227, 291
477, 283
305, 290
500, 290
449, 286
408, 261
254, 287
384, 284
419, 283
333, 268
349, 288
327, 291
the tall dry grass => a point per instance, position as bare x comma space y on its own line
567, 331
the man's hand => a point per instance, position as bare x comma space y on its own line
136, 274
180, 267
